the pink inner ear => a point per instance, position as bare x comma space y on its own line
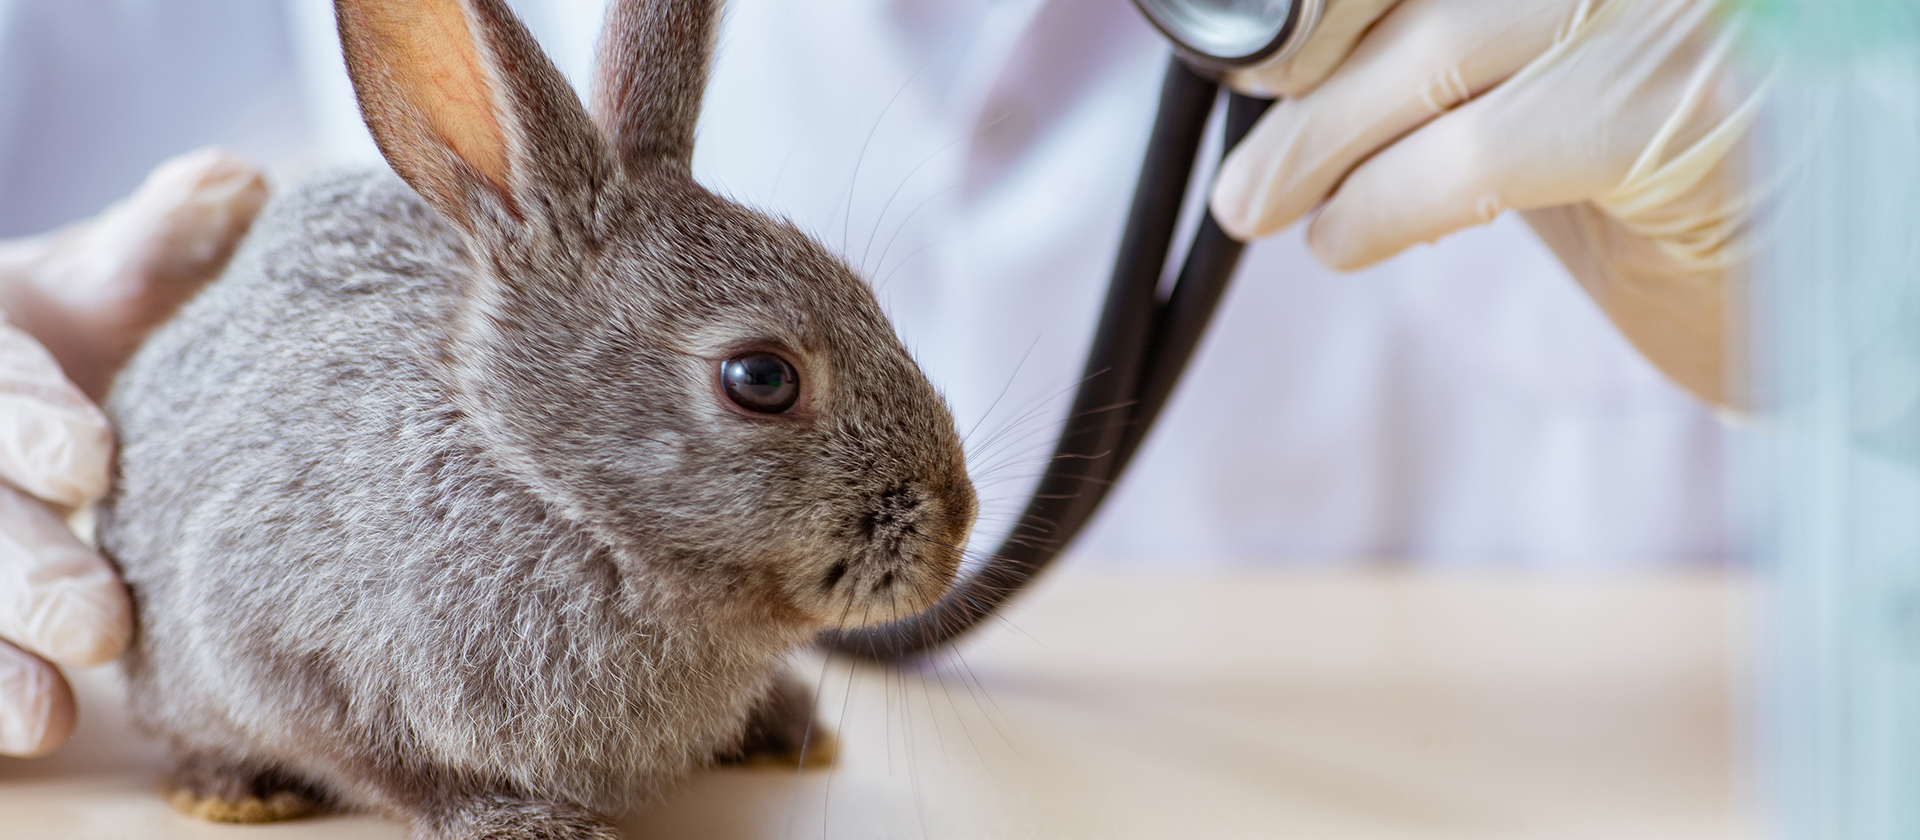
432, 59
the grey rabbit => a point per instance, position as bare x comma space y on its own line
494, 500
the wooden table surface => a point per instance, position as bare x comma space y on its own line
1156, 704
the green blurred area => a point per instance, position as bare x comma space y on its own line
1829, 30
1835, 349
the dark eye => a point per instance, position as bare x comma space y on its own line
760, 382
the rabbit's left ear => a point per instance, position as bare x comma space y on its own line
469, 111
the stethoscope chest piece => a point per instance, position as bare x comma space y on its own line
1232, 34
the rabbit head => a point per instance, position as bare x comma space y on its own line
709, 391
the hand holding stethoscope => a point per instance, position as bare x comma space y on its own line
1614, 126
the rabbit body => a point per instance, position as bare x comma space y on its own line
438, 507
333, 577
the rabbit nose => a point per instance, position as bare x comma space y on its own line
892, 517
909, 524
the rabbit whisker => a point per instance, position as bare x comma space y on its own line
871, 235
997, 398
853, 183
884, 281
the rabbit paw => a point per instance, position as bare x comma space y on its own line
821, 748
783, 733
222, 791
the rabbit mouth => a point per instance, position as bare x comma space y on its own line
906, 551
858, 593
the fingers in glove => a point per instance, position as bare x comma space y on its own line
1547, 137
54, 443
183, 223
93, 290
36, 705
1422, 59
58, 598
1340, 28
1457, 172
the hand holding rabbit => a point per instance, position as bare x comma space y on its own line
77, 303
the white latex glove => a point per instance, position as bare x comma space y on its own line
90, 292
1615, 122
59, 600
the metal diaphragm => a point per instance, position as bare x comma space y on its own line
1234, 34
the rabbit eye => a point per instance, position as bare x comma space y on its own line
761, 382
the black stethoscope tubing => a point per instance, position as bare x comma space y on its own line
1140, 348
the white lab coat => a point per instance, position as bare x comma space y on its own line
1462, 404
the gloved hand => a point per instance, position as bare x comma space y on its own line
90, 292
59, 601
1617, 125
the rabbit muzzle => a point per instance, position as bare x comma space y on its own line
904, 552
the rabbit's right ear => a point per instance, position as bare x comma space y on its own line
649, 77
469, 111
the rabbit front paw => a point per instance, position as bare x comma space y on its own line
783, 733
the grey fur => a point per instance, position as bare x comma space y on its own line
453, 521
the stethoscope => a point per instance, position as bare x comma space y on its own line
1145, 334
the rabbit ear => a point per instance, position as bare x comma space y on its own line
649, 77
468, 110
